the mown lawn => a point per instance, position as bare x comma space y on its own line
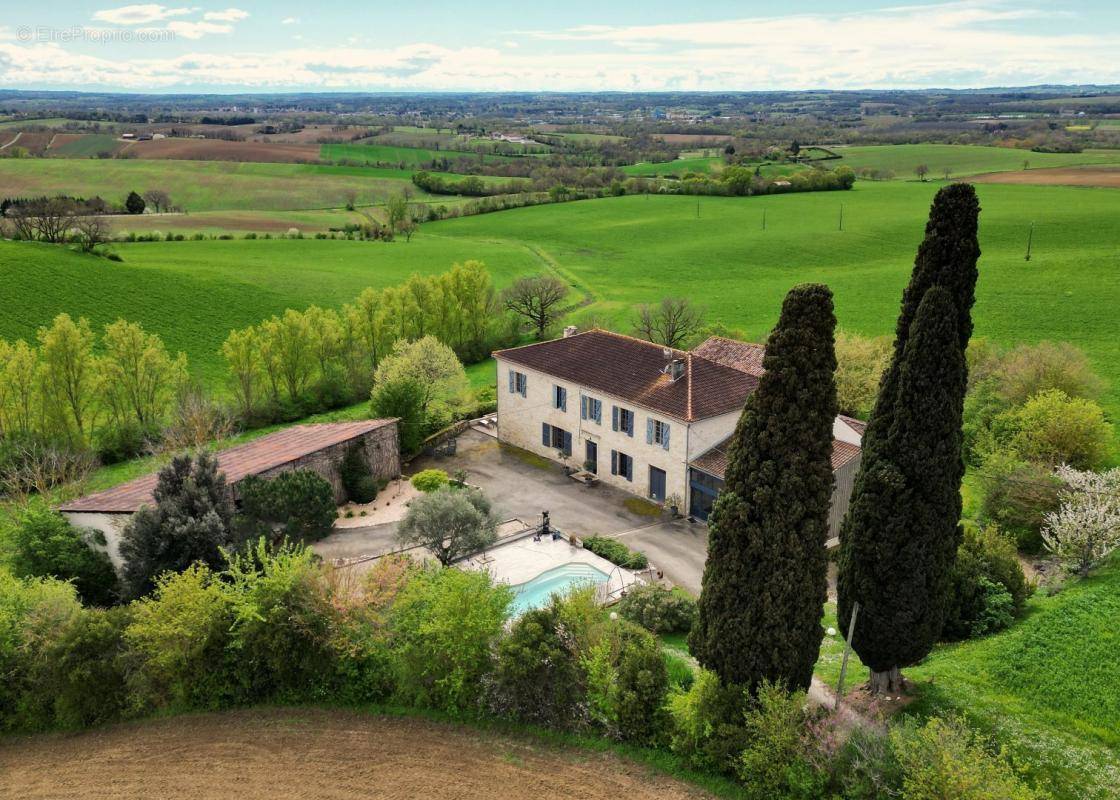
960, 160
678, 167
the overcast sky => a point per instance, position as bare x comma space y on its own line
561, 46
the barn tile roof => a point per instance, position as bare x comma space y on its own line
240, 461
714, 461
857, 425
635, 370
743, 356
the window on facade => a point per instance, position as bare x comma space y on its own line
590, 408
657, 433
622, 465
556, 438
518, 383
622, 419
560, 398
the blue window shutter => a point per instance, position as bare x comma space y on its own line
582, 407
614, 462
511, 383
546, 434
563, 399
630, 423
598, 411
567, 443
665, 436
649, 430
524, 386
614, 418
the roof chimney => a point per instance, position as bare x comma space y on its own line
571, 330
676, 368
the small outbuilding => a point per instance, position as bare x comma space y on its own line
319, 448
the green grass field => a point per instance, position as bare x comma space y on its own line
194, 293
47, 122
678, 167
88, 146
410, 157
1046, 687
206, 185
629, 250
961, 160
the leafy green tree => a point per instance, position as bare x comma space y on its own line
431, 364
46, 545
1054, 428
899, 579
67, 375
643, 682
189, 523
900, 536
444, 625
138, 376
536, 675
765, 580
452, 523
402, 397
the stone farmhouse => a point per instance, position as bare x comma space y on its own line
319, 448
648, 419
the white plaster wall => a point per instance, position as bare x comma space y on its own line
520, 419
112, 525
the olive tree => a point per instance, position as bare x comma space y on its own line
451, 522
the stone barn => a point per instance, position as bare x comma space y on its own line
319, 448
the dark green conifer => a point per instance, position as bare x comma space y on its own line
765, 579
901, 533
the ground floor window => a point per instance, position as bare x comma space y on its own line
622, 465
657, 484
556, 438
704, 489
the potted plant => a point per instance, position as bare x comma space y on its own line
672, 504
564, 460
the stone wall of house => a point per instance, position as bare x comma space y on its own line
382, 451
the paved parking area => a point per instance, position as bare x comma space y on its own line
521, 485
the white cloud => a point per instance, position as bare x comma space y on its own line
951, 45
289, 21
196, 30
229, 15
138, 14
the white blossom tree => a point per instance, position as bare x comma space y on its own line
1086, 527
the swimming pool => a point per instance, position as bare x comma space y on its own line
558, 580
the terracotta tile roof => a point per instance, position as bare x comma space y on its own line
743, 356
714, 461
857, 425
250, 458
635, 370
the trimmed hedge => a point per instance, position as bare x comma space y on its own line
616, 552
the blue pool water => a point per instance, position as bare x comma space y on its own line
558, 580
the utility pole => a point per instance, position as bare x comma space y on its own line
1030, 238
847, 652
764, 219
697, 206
841, 216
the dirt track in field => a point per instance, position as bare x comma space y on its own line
313, 755
1108, 177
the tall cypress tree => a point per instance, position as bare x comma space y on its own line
947, 258
765, 580
900, 537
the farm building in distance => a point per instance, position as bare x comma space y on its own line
319, 448
648, 419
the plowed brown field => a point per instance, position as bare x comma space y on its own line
222, 150
1108, 177
314, 755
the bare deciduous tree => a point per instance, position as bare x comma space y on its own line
92, 231
921, 171
158, 199
34, 467
671, 323
537, 298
